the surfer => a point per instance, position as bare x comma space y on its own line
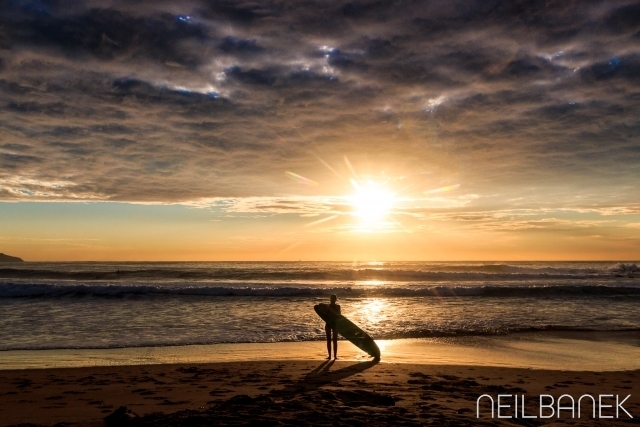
332, 333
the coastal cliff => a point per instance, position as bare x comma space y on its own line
7, 258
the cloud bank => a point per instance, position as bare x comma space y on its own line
523, 103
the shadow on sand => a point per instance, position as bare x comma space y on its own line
323, 375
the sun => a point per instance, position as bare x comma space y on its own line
372, 202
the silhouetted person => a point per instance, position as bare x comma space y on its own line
332, 333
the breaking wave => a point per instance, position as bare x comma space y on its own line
381, 335
105, 290
313, 271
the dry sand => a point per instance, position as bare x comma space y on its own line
312, 392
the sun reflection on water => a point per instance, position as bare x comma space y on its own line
382, 345
373, 310
371, 282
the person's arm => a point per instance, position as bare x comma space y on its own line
335, 309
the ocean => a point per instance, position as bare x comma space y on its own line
113, 305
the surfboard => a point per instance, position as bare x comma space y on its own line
348, 329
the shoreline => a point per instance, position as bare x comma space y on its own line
595, 351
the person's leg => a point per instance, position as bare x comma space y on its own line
327, 329
335, 344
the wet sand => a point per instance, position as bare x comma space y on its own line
593, 351
418, 382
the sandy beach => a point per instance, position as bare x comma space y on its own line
350, 391
298, 393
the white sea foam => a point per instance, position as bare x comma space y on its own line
104, 305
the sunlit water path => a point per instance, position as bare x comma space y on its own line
107, 305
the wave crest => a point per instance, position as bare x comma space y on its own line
418, 273
78, 290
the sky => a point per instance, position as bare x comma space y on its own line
286, 130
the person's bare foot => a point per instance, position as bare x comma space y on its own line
329, 358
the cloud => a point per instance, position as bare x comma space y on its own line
303, 206
338, 214
164, 102
542, 219
539, 224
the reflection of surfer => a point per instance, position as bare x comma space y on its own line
336, 309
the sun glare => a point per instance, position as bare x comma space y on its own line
373, 310
371, 202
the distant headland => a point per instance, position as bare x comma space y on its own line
7, 258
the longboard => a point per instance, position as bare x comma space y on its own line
348, 329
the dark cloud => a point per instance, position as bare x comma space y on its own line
253, 76
239, 12
240, 46
15, 161
624, 67
105, 33
623, 19
177, 101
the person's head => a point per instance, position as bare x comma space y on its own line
334, 297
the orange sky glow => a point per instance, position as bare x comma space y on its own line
182, 131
